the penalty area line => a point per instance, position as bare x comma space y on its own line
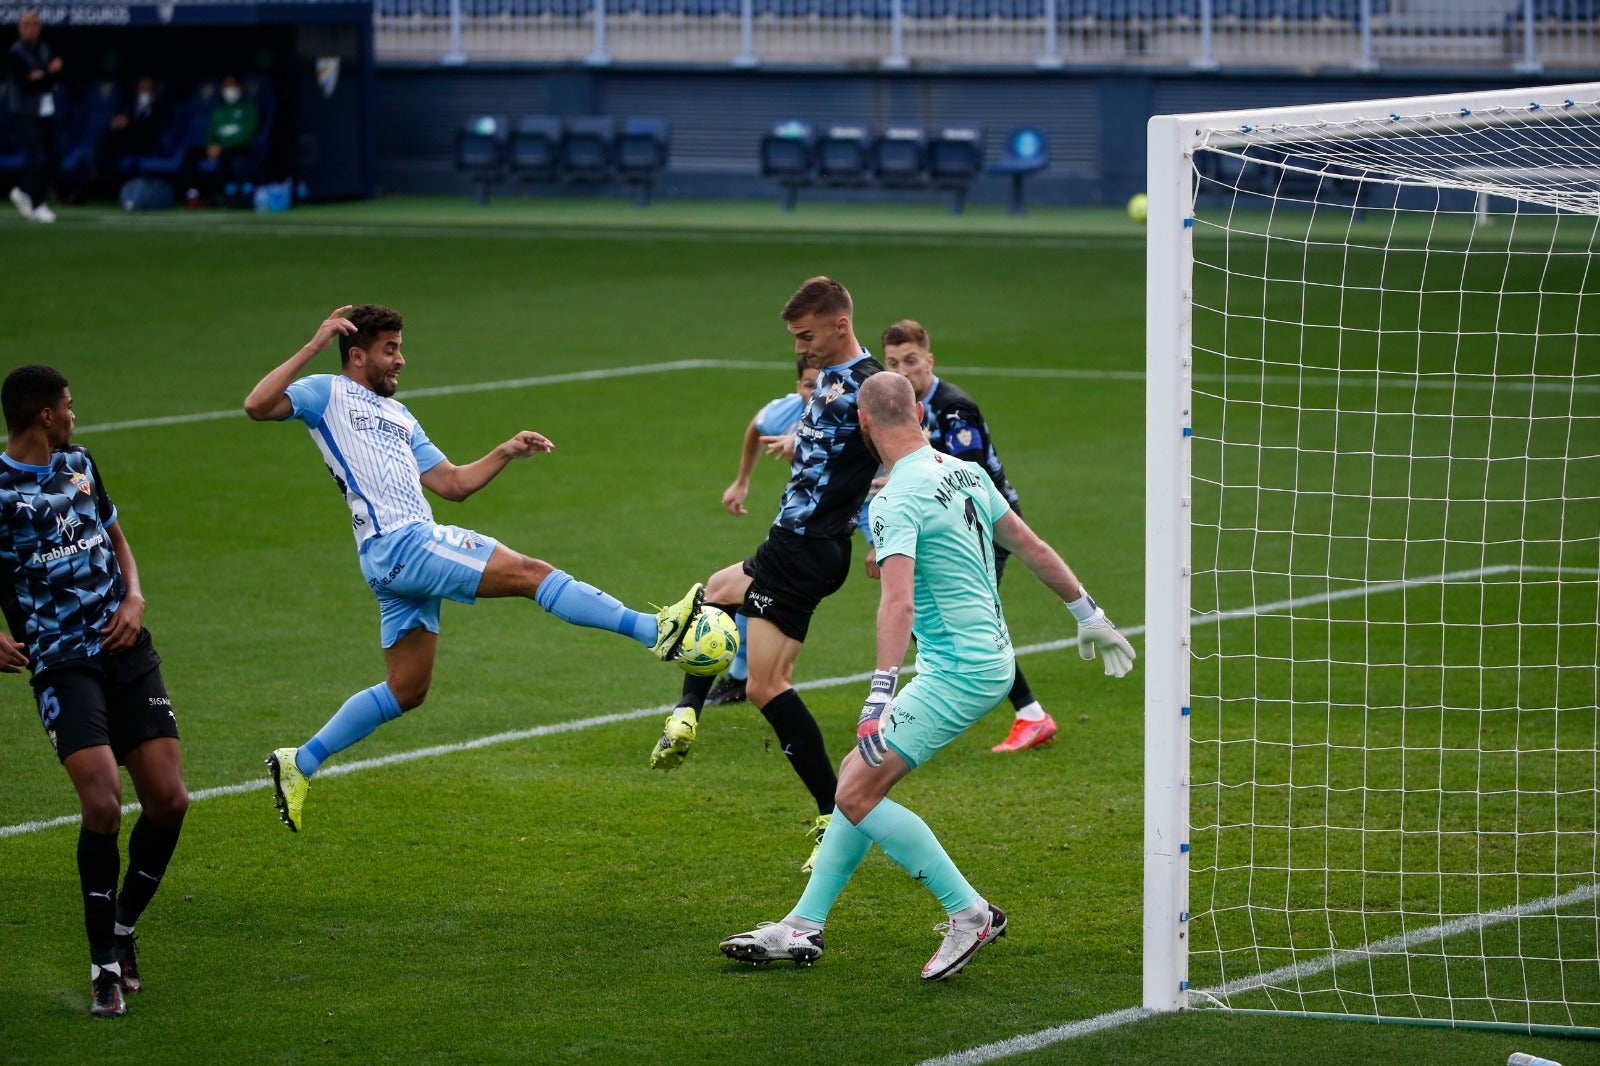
606, 373
577, 724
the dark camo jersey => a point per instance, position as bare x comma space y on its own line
832, 468
59, 578
956, 427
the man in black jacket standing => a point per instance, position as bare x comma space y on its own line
32, 69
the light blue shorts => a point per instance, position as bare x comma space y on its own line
414, 568
933, 710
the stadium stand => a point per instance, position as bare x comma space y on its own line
86, 121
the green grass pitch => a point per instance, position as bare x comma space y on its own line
550, 899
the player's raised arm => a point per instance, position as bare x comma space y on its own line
456, 483
269, 400
1095, 630
734, 495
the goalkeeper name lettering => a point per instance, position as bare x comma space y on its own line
959, 478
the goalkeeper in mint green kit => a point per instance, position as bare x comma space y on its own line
935, 523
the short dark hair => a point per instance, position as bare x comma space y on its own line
906, 331
800, 368
818, 296
29, 390
369, 320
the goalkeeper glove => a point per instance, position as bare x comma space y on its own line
869, 735
1095, 630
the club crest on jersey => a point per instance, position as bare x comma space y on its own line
82, 482
835, 391
964, 437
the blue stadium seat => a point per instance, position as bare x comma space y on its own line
900, 157
643, 147
85, 125
1026, 153
534, 151
844, 155
481, 151
955, 159
587, 148
788, 154
187, 125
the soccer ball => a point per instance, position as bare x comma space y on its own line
1138, 206
710, 644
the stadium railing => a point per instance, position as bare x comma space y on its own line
1526, 35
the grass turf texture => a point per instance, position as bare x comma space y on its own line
551, 899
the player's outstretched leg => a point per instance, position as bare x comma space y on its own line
672, 623
773, 942
964, 936
676, 736
289, 787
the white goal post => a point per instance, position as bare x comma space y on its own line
1372, 600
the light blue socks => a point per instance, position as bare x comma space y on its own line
584, 605
360, 715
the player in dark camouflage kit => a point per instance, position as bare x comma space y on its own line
70, 592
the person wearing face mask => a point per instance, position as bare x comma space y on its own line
132, 131
32, 69
230, 135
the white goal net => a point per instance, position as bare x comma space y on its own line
1374, 555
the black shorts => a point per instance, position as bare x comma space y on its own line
790, 575
114, 699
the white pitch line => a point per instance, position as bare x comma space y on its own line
772, 366
820, 683
1392, 945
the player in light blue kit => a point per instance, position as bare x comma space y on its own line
381, 461
936, 523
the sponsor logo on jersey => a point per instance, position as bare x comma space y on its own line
66, 551
67, 526
25, 505
362, 422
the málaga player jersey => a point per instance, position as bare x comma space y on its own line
956, 427
373, 447
779, 416
59, 578
940, 512
832, 468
